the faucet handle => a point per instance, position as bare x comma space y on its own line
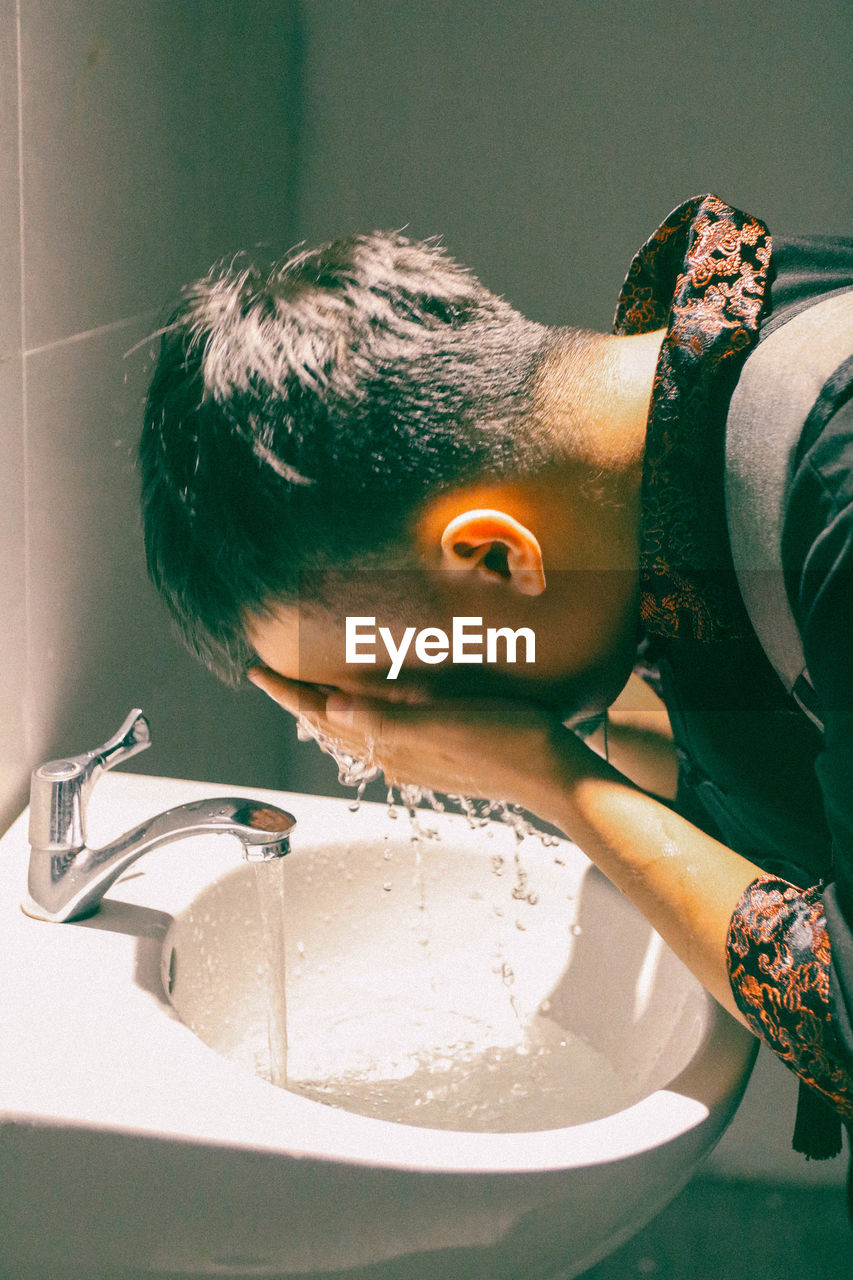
60, 789
133, 736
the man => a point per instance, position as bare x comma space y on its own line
366, 433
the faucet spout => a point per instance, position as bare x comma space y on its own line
67, 879
69, 886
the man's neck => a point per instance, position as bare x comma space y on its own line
598, 423
600, 419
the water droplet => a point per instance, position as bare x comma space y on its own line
351, 771
387, 886
576, 930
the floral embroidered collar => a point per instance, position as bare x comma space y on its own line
703, 275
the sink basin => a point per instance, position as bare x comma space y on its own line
495, 1068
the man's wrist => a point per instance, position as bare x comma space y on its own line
567, 763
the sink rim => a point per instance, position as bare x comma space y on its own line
185, 1091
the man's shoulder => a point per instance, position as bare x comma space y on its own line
803, 269
789, 468
817, 536
792, 394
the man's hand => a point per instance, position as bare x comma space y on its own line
496, 748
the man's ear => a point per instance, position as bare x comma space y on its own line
495, 546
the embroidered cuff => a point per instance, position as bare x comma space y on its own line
778, 959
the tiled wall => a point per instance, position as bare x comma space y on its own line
13, 646
13, 653
139, 141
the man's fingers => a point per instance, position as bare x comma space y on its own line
350, 721
341, 710
293, 696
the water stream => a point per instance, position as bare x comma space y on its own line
269, 891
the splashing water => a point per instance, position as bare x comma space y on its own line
461, 1077
353, 772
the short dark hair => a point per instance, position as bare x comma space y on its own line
300, 412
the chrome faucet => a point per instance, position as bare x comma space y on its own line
67, 879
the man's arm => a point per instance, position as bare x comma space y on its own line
686, 883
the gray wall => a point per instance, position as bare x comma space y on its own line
545, 139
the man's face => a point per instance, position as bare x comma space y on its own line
584, 642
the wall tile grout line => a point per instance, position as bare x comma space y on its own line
92, 333
27, 703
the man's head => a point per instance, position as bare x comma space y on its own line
304, 419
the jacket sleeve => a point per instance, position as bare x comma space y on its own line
779, 960
790, 950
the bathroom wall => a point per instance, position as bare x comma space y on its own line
12, 631
139, 141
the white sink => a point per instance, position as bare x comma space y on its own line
133, 1145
